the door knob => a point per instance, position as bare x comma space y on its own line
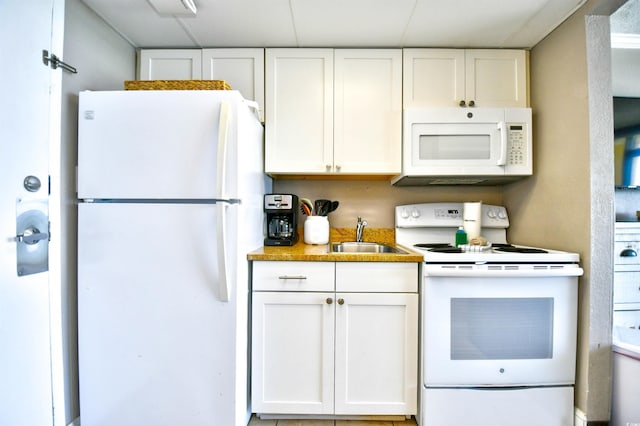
32, 236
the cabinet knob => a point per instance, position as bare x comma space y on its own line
328, 167
338, 168
462, 103
329, 300
472, 103
340, 301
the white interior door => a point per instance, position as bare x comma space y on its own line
25, 356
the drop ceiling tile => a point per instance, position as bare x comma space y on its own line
468, 23
243, 23
353, 23
141, 24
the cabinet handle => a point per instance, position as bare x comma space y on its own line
328, 167
338, 168
329, 300
292, 277
340, 301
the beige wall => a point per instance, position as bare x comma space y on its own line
375, 200
569, 202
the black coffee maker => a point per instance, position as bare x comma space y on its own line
282, 219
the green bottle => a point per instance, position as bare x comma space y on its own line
461, 237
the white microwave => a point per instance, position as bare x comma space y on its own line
481, 146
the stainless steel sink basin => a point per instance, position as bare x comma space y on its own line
354, 247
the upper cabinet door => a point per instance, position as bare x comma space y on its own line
433, 77
496, 77
467, 78
170, 64
367, 111
299, 111
243, 69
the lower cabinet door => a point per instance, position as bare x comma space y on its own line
292, 353
376, 366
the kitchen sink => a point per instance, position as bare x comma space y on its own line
355, 247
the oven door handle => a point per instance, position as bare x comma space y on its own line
456, 272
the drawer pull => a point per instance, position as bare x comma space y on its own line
628, 253
329, 300
292, 277
340, 301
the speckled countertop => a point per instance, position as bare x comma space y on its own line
306, 252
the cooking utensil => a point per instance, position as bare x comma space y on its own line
307, 202
334, 206
305, 209
322, 207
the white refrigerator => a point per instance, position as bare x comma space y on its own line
170, 190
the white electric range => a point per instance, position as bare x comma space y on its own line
499, 322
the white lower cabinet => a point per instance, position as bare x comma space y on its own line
317, 352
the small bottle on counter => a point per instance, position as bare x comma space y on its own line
461, 237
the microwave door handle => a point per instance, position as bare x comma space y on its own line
503, 144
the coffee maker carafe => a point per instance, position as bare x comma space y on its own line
282, 219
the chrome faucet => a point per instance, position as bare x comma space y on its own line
360, 229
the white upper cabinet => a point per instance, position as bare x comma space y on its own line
299, 111
242, 68
367, 111
333, 112
457, 77
170, 64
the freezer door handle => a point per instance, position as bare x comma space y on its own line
223, 133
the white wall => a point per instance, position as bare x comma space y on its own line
104, 60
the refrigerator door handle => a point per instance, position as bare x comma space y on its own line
224, 290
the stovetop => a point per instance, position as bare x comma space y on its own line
429, 228
497, 253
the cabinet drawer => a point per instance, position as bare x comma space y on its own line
293, 276
626, 287
624, 252
375, 277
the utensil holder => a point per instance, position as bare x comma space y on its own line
316, 230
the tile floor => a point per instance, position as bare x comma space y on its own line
257, 422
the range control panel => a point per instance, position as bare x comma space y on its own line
447, 215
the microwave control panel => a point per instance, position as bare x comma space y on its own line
516, 144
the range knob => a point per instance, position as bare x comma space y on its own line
491, 214
404, 213
502, 214
415, 213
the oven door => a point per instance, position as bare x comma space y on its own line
498, 328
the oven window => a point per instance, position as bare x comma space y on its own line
455, 147
501, 328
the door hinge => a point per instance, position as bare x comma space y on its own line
54, 62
